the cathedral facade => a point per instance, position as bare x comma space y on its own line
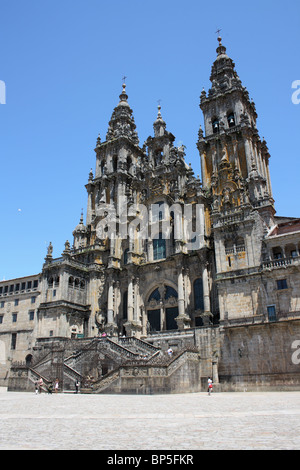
162, 251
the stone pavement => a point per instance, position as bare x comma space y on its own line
196, 421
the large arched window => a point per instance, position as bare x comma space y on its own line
170, 292
155, 295
162, 309
159, 248
198, 294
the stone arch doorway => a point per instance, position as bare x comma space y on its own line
162, 308
28, 360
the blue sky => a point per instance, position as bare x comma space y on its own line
63, 62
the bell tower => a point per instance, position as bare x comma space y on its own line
235, 168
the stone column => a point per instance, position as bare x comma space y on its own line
111, 326
130, 308
206, 298
181, 309
133, 326
206, 315
90, 190
215, 374
183, 320
110, 301
150, 250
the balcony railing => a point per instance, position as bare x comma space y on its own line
280, 262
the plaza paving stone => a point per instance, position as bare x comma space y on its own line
222, 421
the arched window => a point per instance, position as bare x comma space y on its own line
159, 156
240, 245
170, 292
155, 295
28, 360
198, 294
215, 126
231, 120
159, 248
229, 247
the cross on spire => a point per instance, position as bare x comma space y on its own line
124, 78
219, 37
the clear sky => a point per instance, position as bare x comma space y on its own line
62, 63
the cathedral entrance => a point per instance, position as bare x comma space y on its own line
162, 309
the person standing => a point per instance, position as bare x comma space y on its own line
56, 385
40, 384
76, 386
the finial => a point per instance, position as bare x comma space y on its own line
159, 124
123, 95
219, 37
124, 84
220, 49
159, 108
98, 142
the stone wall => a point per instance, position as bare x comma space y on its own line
260, 356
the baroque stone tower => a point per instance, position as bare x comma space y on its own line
235, 173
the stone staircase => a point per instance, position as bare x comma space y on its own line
158, 374
110, 365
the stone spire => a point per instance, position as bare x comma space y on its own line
122, 122
80, 228
223, 74
159, 125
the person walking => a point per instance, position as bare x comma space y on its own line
210, 386
76, 386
